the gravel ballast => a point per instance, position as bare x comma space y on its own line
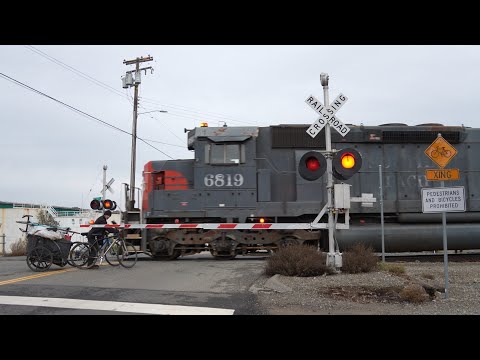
375, 293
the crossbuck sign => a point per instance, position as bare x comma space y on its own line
327, 114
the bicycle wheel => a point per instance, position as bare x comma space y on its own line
80, 253
75, 254
40, 258
111, 254
127, 255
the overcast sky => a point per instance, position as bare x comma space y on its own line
53, 155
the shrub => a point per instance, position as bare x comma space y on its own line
18, 248
297, 260
396, 269
414, 293
359, 258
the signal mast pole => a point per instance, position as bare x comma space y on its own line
104, 182
128, 82
328, 148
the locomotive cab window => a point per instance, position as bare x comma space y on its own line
224, 154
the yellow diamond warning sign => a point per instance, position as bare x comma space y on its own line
441, 152
442, 174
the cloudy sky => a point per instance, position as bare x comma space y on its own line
52, 154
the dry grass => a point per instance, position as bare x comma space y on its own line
396, 269
414, 293
297, 260
18, 248
428, 276
359, 258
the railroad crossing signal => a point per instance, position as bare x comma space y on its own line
346, 163
108, 186
327, 115
106, 204
312, 165
441, 152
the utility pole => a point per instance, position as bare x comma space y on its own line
129, 81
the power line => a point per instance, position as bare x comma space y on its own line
76, 71
164, 143
210, 114
80, 112
151, 116
128, 97
182, 116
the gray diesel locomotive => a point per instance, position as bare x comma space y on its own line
243, 178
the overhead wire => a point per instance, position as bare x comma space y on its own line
74, 70
208, 114
128, 96
80, 112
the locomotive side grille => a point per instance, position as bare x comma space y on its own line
418, 137
295, 137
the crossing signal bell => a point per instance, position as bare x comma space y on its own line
96, 204
346, 163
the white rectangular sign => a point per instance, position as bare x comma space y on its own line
334, 122
326, 111
339, 126
446, 199
316, 127
327, 115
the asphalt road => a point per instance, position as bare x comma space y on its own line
196, 284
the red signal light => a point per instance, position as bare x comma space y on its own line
109, 204
313, 164
96, 204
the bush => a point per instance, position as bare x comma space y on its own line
359, 258
297, 260
396, 269
414, 293
19, 248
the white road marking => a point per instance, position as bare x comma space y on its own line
156, 309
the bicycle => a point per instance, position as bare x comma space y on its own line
441, 151
114, 250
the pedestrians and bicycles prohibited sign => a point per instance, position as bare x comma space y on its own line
443, 199
441, 152
327, 114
